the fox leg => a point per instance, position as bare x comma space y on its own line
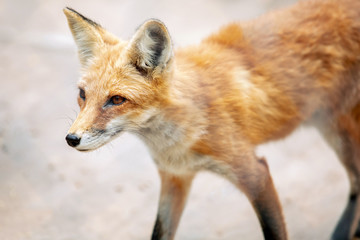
263, 197
357, 233
173, 196
268, 208
349, 128
347, 226
254, 179
344, 137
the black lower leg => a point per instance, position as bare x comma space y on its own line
270, 226
158, 230
265, 201
357, 233
343, 228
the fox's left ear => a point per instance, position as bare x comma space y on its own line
150, 50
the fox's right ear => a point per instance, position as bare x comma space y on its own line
86, 33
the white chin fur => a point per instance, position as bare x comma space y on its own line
90, 143
94, 140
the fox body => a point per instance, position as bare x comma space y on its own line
207, 107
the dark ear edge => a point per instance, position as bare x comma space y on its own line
86, 33
91, 22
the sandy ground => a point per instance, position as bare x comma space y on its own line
48, 191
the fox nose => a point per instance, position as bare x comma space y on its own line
72, 140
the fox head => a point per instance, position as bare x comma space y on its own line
122, 84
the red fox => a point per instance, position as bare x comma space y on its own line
207, 107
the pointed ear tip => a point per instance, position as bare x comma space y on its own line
68, 11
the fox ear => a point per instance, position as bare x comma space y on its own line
86, 33
151, 49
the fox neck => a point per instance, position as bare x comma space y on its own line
172, 128
167, 143
159, 133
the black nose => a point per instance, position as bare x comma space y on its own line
72, 140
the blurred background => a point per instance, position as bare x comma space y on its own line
49, 191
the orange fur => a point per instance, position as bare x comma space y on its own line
207, 107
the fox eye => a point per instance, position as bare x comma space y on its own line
117, 100
82, 94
